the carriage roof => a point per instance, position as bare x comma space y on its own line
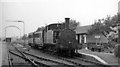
54, 26
37, 32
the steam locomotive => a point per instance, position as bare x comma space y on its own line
55, 37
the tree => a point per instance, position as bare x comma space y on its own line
40, 28
112, 23
104, 25
73, 24
107, 26
98, 28
24, 37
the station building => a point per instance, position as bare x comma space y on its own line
83, 37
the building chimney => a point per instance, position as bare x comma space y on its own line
67, 20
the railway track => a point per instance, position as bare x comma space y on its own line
36, 61
55, 61
72, 62
10, 61
21, 55
15, 61
78, 61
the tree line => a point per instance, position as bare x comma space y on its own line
108, 27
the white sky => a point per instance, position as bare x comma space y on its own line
37, 13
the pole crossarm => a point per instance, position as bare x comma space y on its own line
13, 26
18, 22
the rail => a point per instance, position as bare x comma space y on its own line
25, 56
80, 59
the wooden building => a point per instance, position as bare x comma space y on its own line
83, 37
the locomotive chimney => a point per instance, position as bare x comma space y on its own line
67, 20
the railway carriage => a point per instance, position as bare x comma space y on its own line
30, 39
38, 42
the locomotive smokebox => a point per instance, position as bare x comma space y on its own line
67, 21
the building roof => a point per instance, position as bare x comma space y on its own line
82, 29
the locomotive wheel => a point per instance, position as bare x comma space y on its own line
99, 50
92, 49
71, 53
58, 51
29, 44
35, 46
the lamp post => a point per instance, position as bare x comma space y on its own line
23, 29
118, 47
118, 28
23, 26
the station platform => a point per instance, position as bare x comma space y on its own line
0, 54
4, 54
5, 62
105, 58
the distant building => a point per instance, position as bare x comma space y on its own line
83, 37
8, 39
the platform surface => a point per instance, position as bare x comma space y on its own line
4, 54
107, 58
0, 54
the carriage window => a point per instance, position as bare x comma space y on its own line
36, 35
30, 36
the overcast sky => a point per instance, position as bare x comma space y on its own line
37, 13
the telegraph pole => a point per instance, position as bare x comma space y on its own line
119, 28
118, 49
